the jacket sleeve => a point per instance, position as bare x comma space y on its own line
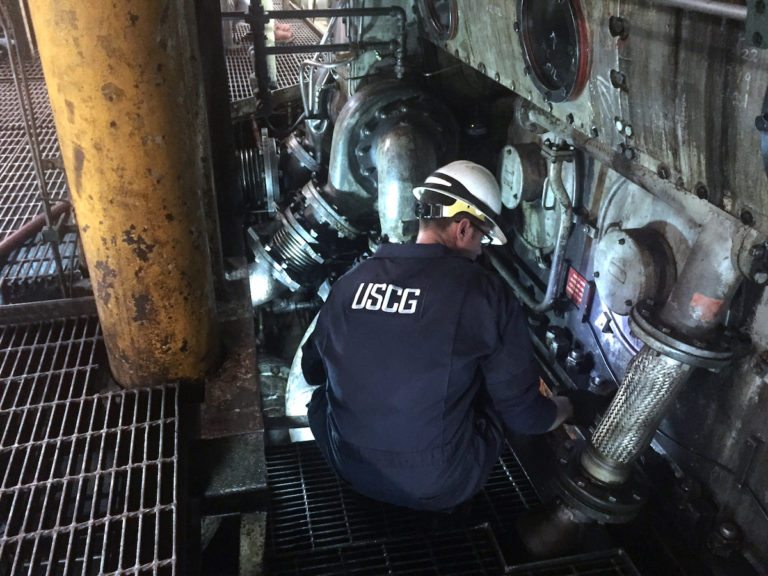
511, 373
312, 363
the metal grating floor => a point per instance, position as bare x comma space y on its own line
470, 552
319, 526
304, 487
240, 65
29, 273
19, 186
88, 480
608, 563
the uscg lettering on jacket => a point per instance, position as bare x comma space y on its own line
386, 298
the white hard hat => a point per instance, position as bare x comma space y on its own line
474, 190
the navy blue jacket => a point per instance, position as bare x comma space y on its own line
420, 350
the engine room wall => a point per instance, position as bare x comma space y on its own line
676, 93
689, 89
649, 114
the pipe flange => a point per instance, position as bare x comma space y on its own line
373, 110
324, 213
271, 170
421, 112
604, 503
301, 154
277, 270
646, 325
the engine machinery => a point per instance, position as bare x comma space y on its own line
630, 142
628, 139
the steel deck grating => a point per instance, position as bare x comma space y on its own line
608, 563
33, 69
318, 526
88, 480
10, 111
470, 552
312, 508
240, 65
19, 186
32, 267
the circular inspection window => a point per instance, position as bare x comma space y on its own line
553, 34
442, 17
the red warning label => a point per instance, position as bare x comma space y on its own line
575, 286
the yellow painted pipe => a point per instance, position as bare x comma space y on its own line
123, 83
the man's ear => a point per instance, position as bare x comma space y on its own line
464, 229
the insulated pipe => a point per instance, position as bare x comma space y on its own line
404, 158
558, 257
124, 89
721, 9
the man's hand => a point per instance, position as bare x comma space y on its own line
564, 411
283, 32
586, 406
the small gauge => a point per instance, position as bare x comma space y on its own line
522, 174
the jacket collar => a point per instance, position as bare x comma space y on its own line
416, 251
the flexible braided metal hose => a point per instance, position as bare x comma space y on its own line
651, 383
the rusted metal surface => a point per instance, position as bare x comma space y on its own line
124, 87
676, 90
231, 422
232, 394
49, 310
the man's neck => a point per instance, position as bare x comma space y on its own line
430, 236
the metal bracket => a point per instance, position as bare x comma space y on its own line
557, 151
56, 232
246, 107
757, 23
271, 175
758, 271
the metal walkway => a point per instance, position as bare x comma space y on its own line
318, 526
32, 267
240, 62
89, 480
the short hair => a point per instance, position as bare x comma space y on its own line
439, 224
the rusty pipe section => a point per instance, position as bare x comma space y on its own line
404, 158
702, 295
124, 87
